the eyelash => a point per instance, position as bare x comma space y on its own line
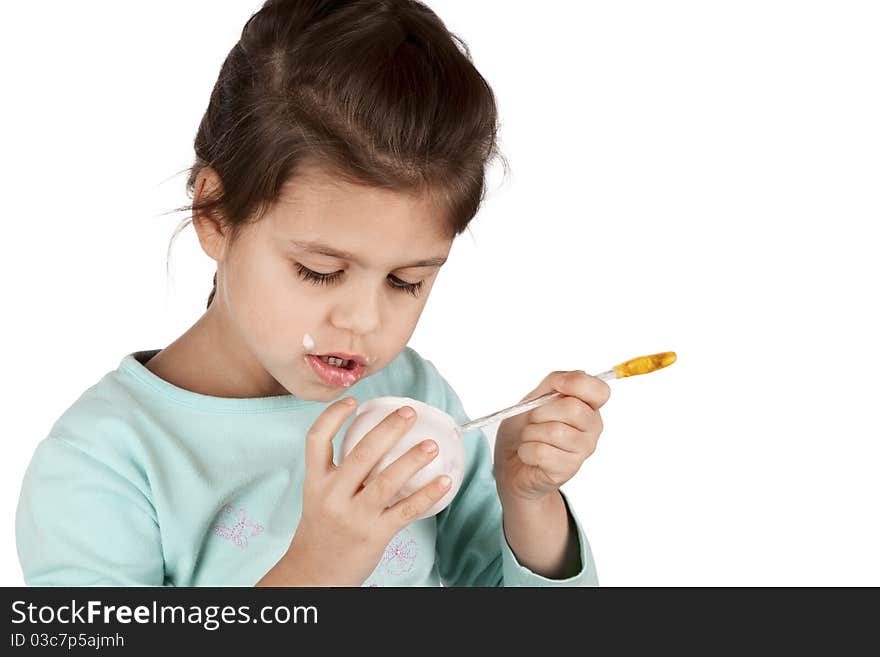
317, 278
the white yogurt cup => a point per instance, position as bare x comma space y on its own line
430, 423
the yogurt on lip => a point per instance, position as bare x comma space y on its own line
308, 342
333, 375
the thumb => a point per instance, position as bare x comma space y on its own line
319, 438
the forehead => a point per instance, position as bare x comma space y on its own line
377, 226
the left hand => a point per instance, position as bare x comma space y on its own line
538, 451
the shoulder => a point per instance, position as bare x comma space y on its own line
104, 426
412, 375
418, 377
410, 363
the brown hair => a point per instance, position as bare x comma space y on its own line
378, 92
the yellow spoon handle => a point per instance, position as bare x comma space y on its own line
644, 364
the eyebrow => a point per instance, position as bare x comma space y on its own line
326, 249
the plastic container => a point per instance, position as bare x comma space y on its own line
431, 423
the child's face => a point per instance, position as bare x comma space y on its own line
263, 307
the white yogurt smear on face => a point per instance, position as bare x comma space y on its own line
308, 343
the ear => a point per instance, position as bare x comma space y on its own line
209, 227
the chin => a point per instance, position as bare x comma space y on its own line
327, 395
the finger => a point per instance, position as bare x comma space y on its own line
590, 389
546, 385
571, 410
556, 434
552, 460
410, 508
372, 447
319, 438
382, 489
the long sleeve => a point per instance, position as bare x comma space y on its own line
472, 549
80, 522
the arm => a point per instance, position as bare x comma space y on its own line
474, 533
543, 536
80, 522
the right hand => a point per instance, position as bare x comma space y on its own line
345, 525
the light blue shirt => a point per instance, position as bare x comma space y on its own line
143, 483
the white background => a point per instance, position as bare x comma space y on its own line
691, 176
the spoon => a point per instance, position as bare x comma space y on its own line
632, 367
447, 433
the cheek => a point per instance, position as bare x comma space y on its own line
268, 305
402, 323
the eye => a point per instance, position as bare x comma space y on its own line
318, 278
412, 288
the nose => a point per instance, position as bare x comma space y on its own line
358, 309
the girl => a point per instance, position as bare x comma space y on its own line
342, 151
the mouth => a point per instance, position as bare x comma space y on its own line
338, 369
340, 359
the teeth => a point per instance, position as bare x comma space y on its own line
332, 360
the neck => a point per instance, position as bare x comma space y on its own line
210, 359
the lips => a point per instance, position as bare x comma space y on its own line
337, 376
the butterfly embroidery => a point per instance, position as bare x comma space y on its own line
237, 527
400, 554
